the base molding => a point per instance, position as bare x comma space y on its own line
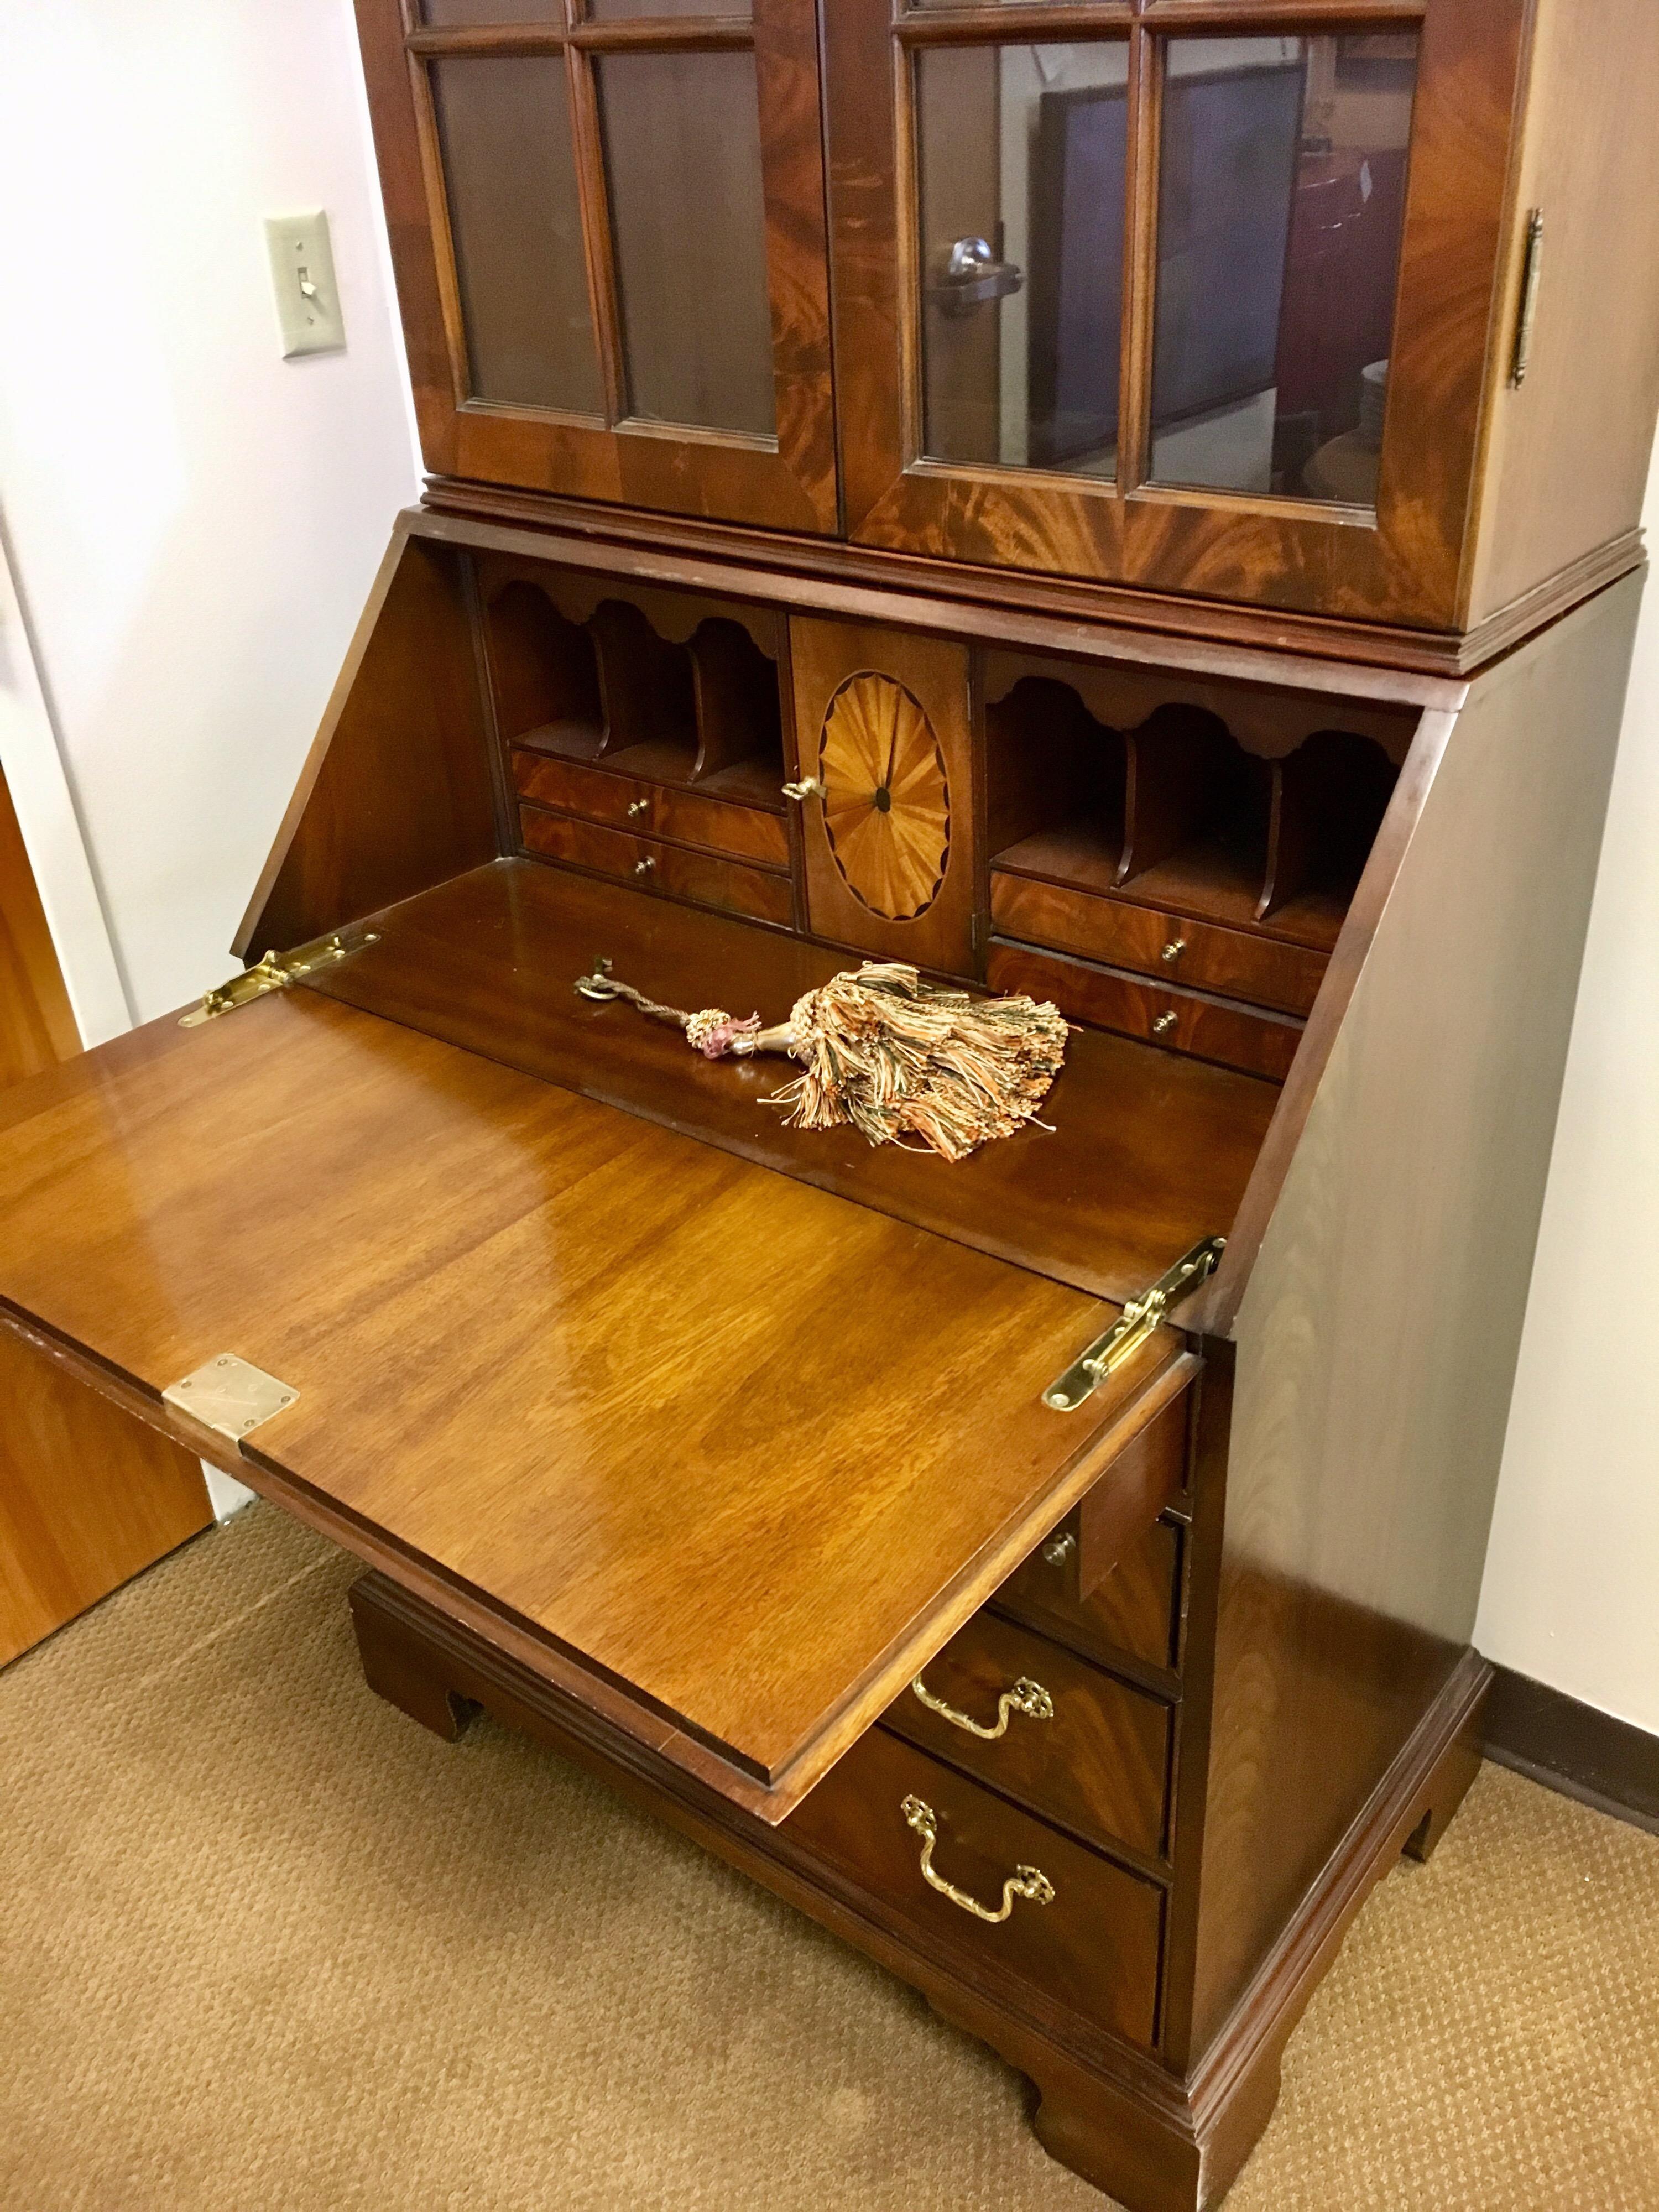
1107, 2111
1573, 1748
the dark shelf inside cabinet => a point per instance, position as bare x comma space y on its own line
544, 673
1056, 783
704, 715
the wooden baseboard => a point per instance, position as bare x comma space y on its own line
1573, 1748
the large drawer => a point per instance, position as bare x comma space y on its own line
1258, 1043
1093, 1945
657, 809
1066, 1741
699, 876
1266, 970
1134, 1612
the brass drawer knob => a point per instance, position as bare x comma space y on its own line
1173, 951
644, 867
1027, 1882
1059, 1548
1165, 1022
809, 786
636, 807
1026, 1697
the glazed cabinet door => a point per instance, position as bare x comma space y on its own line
1191, 294
607, 219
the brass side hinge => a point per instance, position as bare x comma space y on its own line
1133, 1326
1532, 270
275, 973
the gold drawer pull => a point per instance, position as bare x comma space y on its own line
636, 807
645, 866
1165, 1022
1059, 1548
809, 786
1026, 1697
1173, 951
1027, 1882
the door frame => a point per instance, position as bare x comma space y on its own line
32, 763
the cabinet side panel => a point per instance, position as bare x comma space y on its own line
88, 1496
1377, 1342
397, 794
1567, 452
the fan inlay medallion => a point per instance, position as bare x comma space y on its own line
887, 798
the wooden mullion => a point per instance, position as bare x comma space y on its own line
443, 239
907, 200
599, 244
1250, 20
1030, 23
488, 39
667, 34
1139, 302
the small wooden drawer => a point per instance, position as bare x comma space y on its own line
1093, 1945
1181, 1021
1267, 971
1076, 1747
670, 868
1134, 1612
656, 810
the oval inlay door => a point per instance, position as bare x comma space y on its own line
887, 797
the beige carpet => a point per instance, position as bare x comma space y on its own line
266, 1944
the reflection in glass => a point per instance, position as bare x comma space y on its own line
1281, 203
504, 127
1022, 157
683, 160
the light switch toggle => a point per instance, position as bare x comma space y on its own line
302, 271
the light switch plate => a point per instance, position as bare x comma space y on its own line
302, 270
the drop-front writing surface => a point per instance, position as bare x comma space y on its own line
746, 1450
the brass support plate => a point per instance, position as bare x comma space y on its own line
1133, 1326
229, 1396
276, 972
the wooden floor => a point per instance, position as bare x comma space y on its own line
265, 1942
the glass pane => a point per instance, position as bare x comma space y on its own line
617, 11
447, 14
1282, 199
1022, 157
504, 125
682, 148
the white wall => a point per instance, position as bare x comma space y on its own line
194, 522
1571, 1593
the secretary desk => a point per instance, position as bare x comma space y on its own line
1132, 501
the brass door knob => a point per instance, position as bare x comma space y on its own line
1165, 1022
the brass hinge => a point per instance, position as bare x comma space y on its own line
1532, 269
1133, 1326
275, 973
